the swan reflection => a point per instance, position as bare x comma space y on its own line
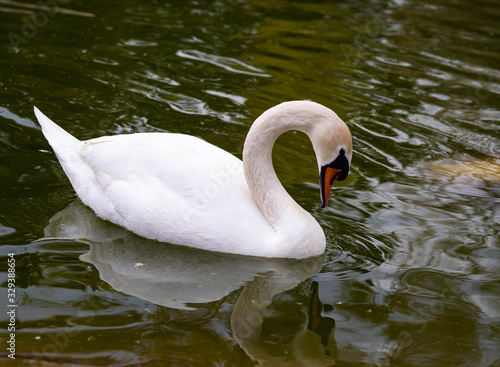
180, 277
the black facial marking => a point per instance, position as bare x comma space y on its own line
342, 163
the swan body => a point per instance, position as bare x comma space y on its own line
180, 189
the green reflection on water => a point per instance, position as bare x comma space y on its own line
410, 276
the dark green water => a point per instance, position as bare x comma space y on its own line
411, 275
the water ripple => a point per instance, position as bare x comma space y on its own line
226, 63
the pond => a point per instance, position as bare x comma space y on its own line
411, 274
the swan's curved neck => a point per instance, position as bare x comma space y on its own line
267, 191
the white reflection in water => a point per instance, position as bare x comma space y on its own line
180, 278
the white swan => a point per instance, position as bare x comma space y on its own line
180, 189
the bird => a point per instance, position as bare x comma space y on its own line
182, 190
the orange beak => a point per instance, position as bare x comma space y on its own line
328, 178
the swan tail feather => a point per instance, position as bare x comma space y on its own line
56, 135
65, 146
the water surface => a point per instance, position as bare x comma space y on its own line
411, 272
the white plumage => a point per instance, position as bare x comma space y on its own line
180, 189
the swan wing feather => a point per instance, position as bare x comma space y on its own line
173, 188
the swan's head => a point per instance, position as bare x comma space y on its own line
330, 137
332, 143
